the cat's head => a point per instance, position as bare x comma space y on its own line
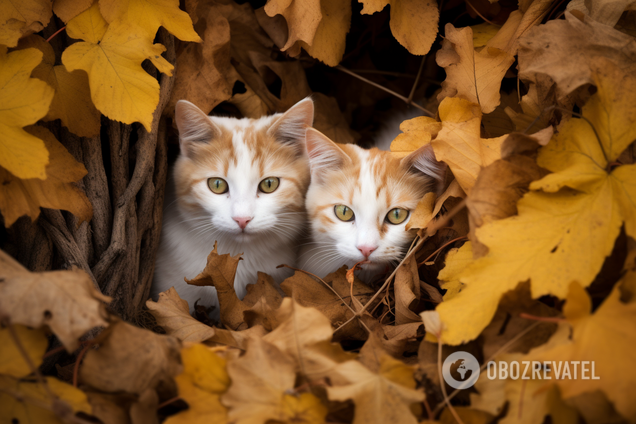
360, 201
239, 179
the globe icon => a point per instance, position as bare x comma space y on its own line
460, 370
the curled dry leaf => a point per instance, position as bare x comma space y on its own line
302, 19
66, 301
22, 18
407, 292
131, 359
26, 197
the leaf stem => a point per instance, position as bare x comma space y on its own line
48, 40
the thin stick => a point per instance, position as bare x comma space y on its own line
417, 80
168, 402
48, 40
439, 223
376, 85
80, 356
542, 319
480, 15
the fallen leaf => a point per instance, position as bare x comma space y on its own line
457, 260
68, 9
203, 380
130, 359
173, 315
416, 133
302, 19
150, 15
329, 120
604, 12
66, 301
12, 362
112, 56
329, 42
261, 382
24, 101
459, 143
407, 292
25, 197
22, 18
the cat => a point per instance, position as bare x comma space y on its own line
359, 202
240, 182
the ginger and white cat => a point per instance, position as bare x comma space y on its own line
240, 182
359, 202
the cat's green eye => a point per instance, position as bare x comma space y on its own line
344, 213
269, 185
397, 216
217, 185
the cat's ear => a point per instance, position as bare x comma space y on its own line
290, 127
324, 154
195, 127
423, 162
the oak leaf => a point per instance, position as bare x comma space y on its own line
34, 342
150, 15
559, 245
413, 23
112, 56
203, 380
66, 301
30, 403
25, 197
18, 19
24, 101
261, 381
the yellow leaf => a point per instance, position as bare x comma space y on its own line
72, 102
384, 397
21, 18
606, 339
68, 9
12, 362
112, 56
456, 261
416, 132
30, 403
24, 101
260, 381
482, 33
423, 213
303, 18
19, 197
150, 15
459, 143
557, 237
203, 380
413, 23
329, 40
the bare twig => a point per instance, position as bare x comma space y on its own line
417, 80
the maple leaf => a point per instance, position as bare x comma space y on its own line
261, 380
173, 314
19, 197
203, 380
459, 144
66, 301
131, 359
29, 402
413, 23
149, 15
559, 244
22, 18
329, 41
382, 397
72, 102
34, 343
24, 101
302, 19
68, 9
112, 56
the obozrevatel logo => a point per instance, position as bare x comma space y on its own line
460, 370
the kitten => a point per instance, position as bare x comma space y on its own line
359, 202
240, 182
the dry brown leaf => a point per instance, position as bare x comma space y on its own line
19, 197
237, 339
68, 9
18, 19
66, 301
250, 105
329, 120
131, 359
407, 292
580, 46
173, 315
604, 12
265, 290
261, 381
303, 18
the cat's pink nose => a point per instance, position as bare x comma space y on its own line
367, 250
241, 221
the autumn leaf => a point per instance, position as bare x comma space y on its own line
413, 23
24, 101
203, 380
34, 342
559, 245
415, 133
459, 143
329, 41
25, 197
72, 102
66, 301
68, 9
112, 56
29, 402
261, 382
302, 19
22, 18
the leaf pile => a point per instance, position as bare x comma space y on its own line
528, 253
